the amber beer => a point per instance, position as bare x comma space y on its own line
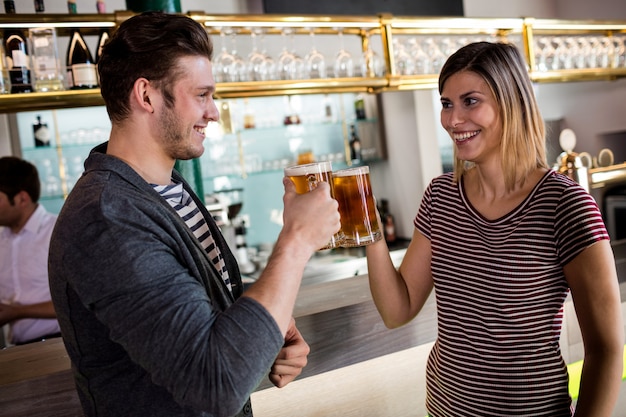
306, 177
353, 192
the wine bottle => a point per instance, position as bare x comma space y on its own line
39, 6
359, 107
102, 39
389, 225
41, 133
17, 58
81, 67
355, 146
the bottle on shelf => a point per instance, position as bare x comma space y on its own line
5, 85
102, 38
41, 133
81, 67
359, 107
389, 225
101, 6
329, 114
355, 146
39, 6
47, 74
248, 115
17, 58
291, 116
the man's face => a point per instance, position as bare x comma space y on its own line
182, 126
9, 211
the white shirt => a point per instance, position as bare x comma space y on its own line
24, 272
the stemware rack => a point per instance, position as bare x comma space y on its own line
390, 30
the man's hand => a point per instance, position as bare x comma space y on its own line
291, 358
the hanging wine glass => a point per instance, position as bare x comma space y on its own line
437, 58
371, 64
223, 62
545, 54
619, 51
421, 61
286, 57
402, 58
256, 65
298, 66
583, 48
559, 53
568, 55
238, 70
606, 50
315, 62
344, 65
269, 64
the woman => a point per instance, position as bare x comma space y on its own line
503, 240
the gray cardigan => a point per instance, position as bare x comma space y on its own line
148, 323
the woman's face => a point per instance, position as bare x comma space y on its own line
471, 117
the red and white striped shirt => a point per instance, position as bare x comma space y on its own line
500, 289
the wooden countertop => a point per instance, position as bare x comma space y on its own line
337, 318
33, 361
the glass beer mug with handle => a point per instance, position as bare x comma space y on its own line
306, 177
357, 208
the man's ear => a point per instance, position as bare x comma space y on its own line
21, 198
142, 89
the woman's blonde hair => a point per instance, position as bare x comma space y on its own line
503, 68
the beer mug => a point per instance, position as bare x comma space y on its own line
306, 177
353, 192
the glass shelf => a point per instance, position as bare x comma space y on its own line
387, 29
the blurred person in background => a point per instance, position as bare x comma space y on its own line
25, 230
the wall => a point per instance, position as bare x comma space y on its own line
556, 9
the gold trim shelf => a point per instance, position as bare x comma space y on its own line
522, 31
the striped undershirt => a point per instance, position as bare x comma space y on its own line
181, 201
500, 289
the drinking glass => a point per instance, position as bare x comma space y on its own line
270, 64
286, 58
46, 64
606, 50
619, 51
344, 65
437, 58
402, 58
315, 61
545, 54
238, 66
421, 61
371, 64
353, 192
581, 56
257, 68
223, 62
306, 177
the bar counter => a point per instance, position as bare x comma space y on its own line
336, 316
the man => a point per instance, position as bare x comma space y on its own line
148, 295
25, 229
